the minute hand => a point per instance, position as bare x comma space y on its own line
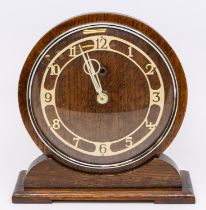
91, 71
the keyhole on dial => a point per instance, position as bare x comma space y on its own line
103, 71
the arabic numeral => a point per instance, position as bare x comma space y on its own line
128, 141
151, 69
55, 69
156, 97
130, 52
101, 43
48, 97
76, 141
103, 148
56, 124
73, 51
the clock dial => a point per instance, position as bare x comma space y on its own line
102, 93
89, 124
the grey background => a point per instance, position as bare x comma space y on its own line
180, 22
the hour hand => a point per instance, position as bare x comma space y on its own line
89, 69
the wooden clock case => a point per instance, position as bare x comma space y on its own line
157, 179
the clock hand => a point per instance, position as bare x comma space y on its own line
102, 98
91, 71
94, 75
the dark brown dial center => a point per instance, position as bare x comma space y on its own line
128, 98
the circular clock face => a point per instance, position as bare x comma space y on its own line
102, 96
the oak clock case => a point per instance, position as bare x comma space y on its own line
102, 93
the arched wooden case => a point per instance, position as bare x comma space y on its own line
148, 176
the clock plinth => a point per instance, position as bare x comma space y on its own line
158, 180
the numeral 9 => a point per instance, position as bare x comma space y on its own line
48, 97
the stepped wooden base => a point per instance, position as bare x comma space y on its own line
158, 181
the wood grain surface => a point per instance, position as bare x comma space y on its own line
158, 181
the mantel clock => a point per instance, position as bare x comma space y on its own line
103, 95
